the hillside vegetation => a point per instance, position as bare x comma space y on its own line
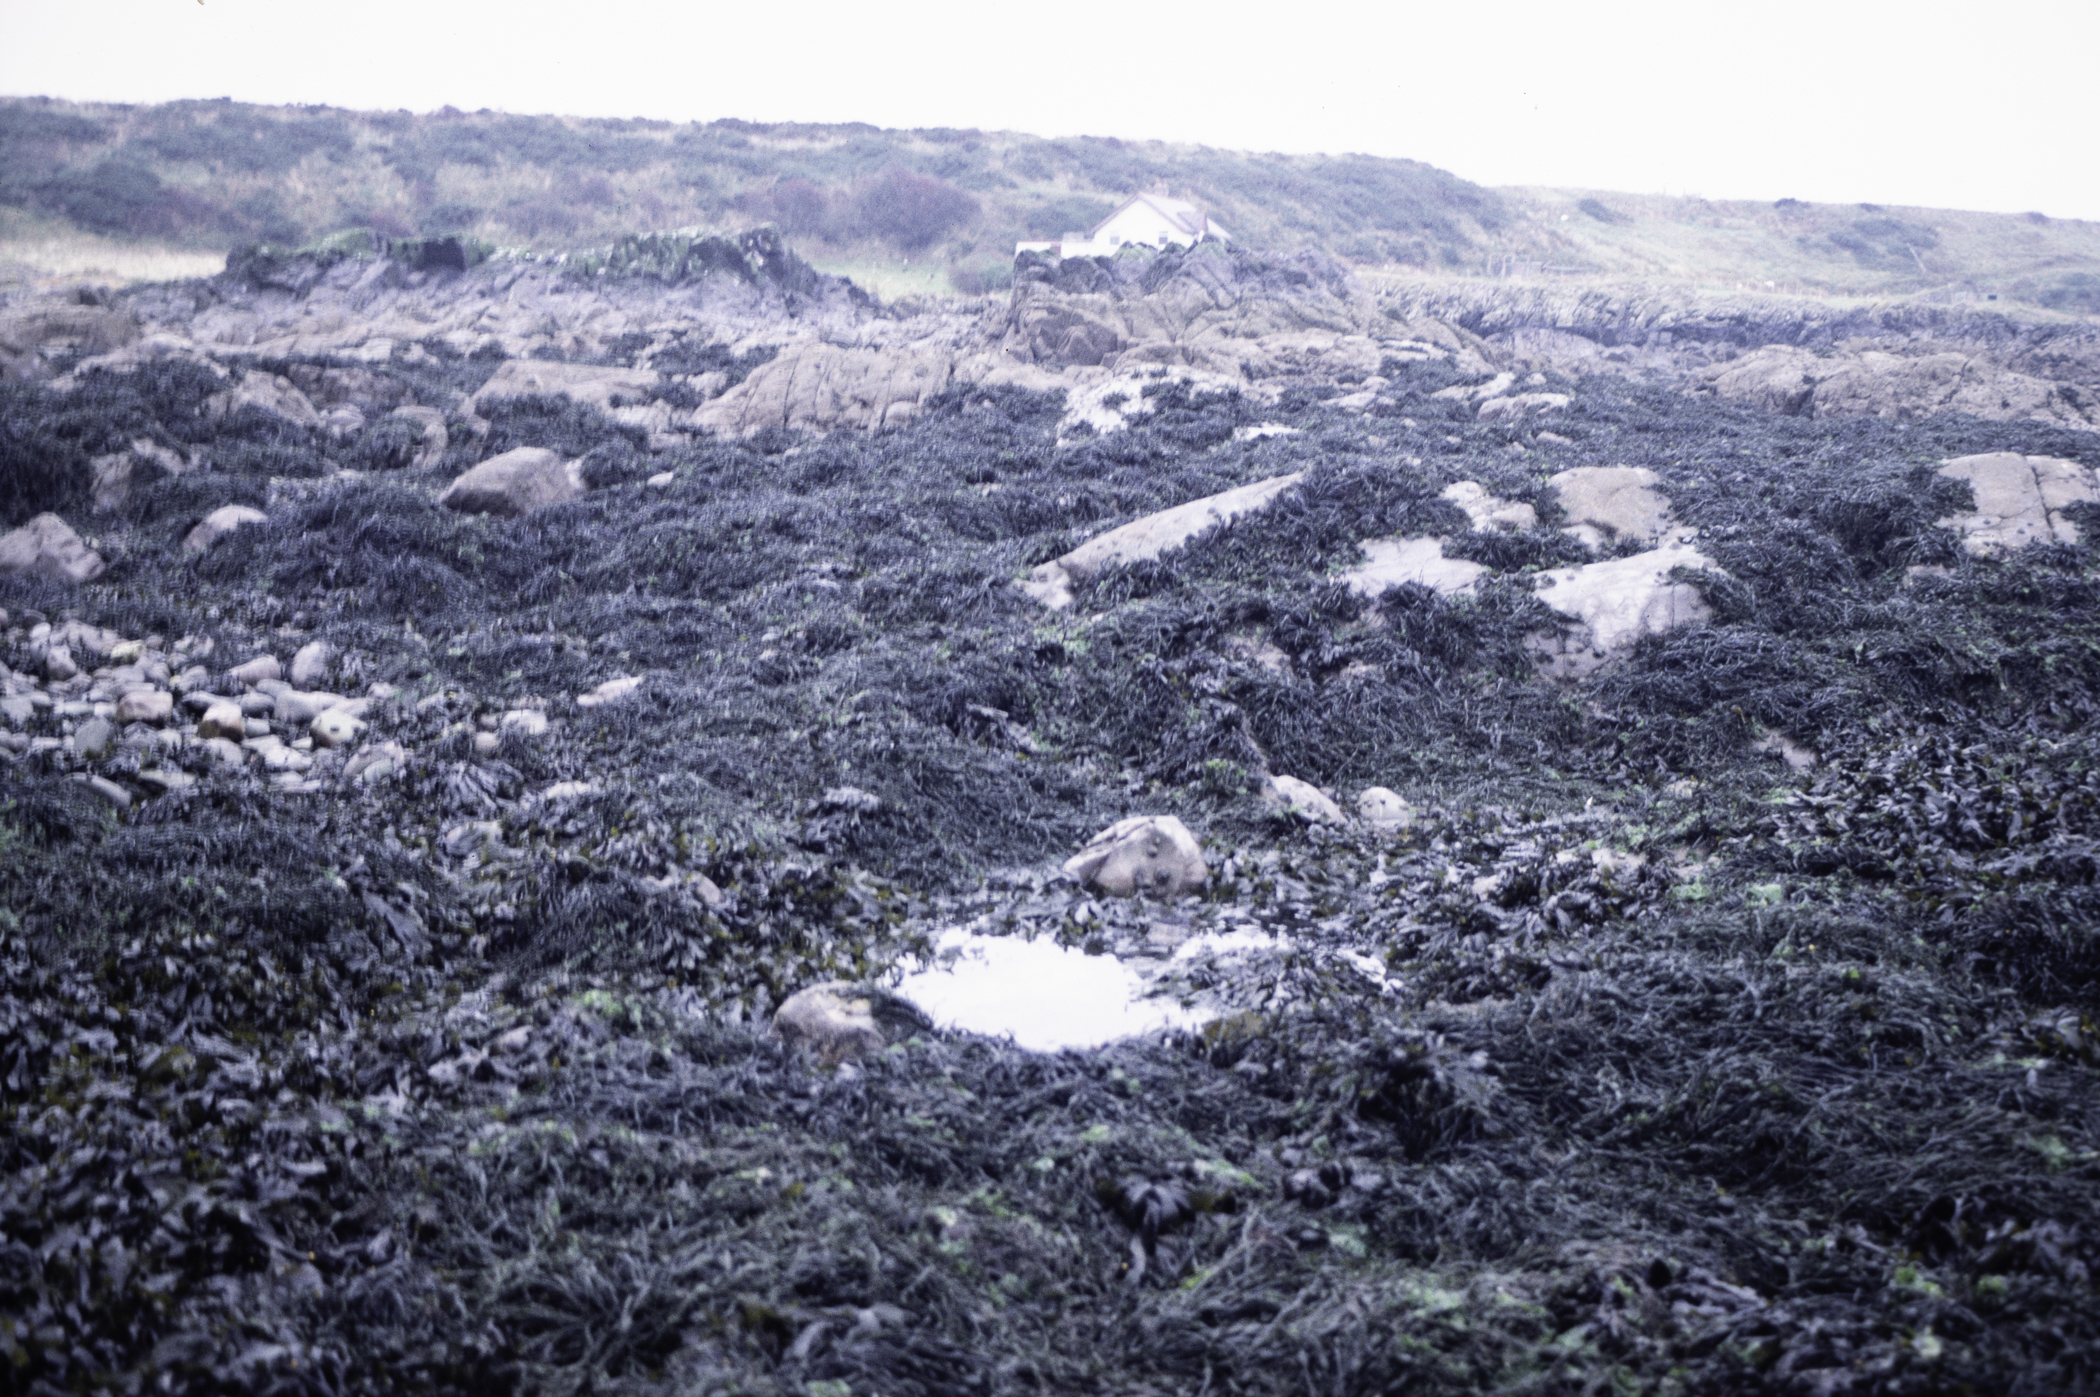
926, 209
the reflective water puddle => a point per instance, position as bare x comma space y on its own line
1047, 997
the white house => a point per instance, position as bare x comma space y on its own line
1155, 219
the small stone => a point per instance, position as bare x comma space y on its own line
224, 751
335, 728
311, 663
611, 691
1153, 854
146, 706
223, 719
840, 1020
526, 722
662, 480
95, 739
486, 743
219, 525
300, 707
377, 762
166, 779
255, 671
255, 727
109, 790
1290, 793
59, 665
1381, 808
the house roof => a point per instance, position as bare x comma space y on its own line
1179, 212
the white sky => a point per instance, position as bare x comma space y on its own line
1979, 106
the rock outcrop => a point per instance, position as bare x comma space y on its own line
823, 387
1615, 603
1782, 378
1394, 562
600, 386
1615, 502
31, 331
2019, 500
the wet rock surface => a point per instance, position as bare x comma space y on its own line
403, 904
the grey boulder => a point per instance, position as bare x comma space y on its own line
1145, 854
517, 482
47, 547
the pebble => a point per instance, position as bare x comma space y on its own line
529, 722
255, 671
95, 739
611, 691
146, 706
335, 728
109, 790
223, 718
224, 751
311, 663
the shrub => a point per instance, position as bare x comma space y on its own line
910, 210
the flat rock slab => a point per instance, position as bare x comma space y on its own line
2019, 500
1617, 602
1391, 562
47, 547
1149, 537
600, 386
1616, 502
1485, 510
517, 482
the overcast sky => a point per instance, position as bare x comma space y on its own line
1956, 106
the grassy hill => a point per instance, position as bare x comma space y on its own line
143, 191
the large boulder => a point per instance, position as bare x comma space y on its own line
1615, 603
2019, 500
47, 547
517, 482
1149, 537
1145, 854
220, 524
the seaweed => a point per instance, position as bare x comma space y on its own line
1636, 1059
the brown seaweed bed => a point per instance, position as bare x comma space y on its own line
299, 1093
